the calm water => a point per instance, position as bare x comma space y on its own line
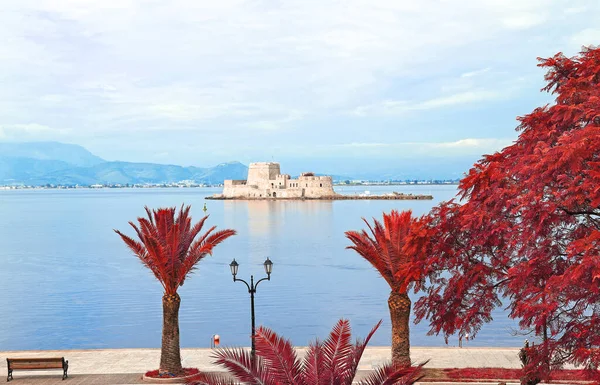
67, 280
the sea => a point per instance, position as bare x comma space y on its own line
67, 281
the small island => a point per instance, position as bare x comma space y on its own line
265, 181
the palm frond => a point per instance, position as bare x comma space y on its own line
149, 213
192, 233
239, 364
390, 375
313, 367
337, 348
357, 352
367, 248
211, 379
142, 253
280, 355
199, 250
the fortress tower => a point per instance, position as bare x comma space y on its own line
260, 173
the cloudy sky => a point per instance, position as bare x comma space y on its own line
351, 84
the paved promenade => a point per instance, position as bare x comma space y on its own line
125, 366
115, 361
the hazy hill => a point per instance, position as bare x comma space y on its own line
18, 170
69, 153
132, 173
43, 163
66, 164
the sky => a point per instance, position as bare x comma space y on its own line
337, 86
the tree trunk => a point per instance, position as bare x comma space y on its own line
399, 305
170, 354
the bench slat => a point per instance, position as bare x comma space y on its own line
36, 365
36, 359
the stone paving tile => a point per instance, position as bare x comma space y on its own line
23, 378
117, 361
134, 379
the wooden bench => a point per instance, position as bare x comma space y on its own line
36, 364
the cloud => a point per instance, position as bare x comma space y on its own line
472, 87
278, 123
460, 144
524, 21
475, 73
586, 37
470, 143
393, 107
456, 99
28, 131
268, 71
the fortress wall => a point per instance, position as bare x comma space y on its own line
288, 193
313, 186
231, 187
262, 174
293, 182
319, 186
241, 191
238, 182
281, 181
315, 181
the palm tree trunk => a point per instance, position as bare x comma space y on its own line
170, 354
399, 305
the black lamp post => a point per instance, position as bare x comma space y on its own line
252, 289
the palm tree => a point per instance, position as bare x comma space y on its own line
384, 249
334, 361
168, 247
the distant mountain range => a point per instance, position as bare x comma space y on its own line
53, 163
41, 163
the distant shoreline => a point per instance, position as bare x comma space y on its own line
338, 197
366, 184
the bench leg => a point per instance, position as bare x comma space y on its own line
9, 377
65, 375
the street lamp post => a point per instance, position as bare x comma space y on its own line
252, 289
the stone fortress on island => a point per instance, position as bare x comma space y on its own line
265, 181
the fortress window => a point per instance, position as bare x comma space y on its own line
320, 184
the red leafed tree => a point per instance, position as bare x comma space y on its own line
383, 246
333, 361
171, 247
527, 227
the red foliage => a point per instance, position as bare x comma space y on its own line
528, 228
333, 361
186, 372
511, 374
384, 247
168, 244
